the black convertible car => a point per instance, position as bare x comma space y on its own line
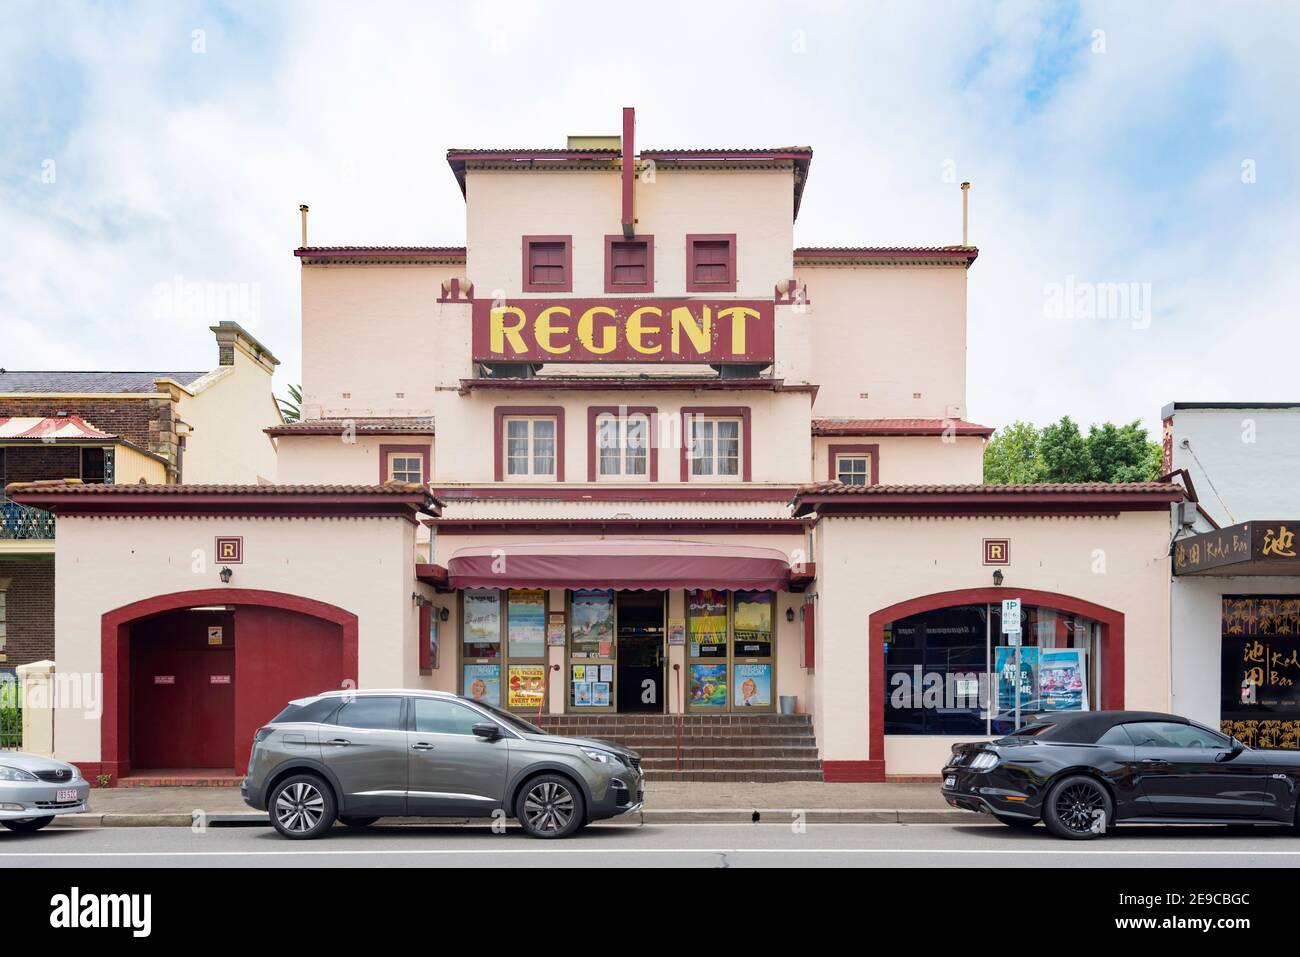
1080, 773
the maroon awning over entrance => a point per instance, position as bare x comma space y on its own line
627, 565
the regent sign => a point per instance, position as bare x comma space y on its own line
624, 330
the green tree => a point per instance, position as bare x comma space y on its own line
291, 408
1011, 456
1123, 453
1060, 452
1064, 453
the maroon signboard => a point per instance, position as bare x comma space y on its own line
624, 330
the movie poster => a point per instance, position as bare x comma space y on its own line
753, 685
526, 622
483, 683
753, 623
707, 623
1005, 668
591, 629
708, 686
482, 630
1063, 679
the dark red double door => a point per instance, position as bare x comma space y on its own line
183, 691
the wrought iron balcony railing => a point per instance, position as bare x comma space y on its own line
24, 523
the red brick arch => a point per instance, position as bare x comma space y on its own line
115, 654
1112, 643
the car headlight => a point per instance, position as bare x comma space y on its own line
600, 757
15, 774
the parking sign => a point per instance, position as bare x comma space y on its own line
1011, 616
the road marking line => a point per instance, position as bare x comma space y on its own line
655, 850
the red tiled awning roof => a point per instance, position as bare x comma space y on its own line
898, 427
403, 425
51, 429
323, 255
76, 498
1072, 498
621, 564
886, 255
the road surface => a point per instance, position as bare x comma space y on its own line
624, 844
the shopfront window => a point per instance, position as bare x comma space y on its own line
591, 649
1260, 670
481, 644
952, 671
731, 642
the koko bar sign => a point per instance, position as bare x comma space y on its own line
1252, 548
624, 330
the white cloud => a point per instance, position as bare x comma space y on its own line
179, 164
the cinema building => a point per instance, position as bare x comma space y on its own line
628, 454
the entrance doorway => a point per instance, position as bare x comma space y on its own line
183, 690
641, 659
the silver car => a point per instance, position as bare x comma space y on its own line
33, 789
357, 756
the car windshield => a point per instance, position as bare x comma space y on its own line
514, 721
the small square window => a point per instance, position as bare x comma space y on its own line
711, 263
629, 264
406, 468
92, 466
548, 264
853, 469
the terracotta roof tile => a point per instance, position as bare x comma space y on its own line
65, 487
393, 425
898, 427
1045, 488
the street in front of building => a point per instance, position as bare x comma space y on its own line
652, 846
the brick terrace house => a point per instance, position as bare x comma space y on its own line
116, 428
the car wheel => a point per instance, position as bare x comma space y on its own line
1078, 808
26, 825
550, 806
1019, 823
357, 821
302, 806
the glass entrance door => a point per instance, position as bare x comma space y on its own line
640, 632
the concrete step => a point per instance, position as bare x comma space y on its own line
645, 742
757, 777
732, 764
720, 750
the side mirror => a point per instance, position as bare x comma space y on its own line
1234, 749
487, 730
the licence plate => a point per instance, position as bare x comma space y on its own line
65, 794
950, 781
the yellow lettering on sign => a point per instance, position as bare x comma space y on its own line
700, 333
498, 331
738, 316
587, 328
543, 330
635, 331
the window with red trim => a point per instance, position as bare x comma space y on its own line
548, 264
711, 263
627, 262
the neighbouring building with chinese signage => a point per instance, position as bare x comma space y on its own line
628, 453
1236, 564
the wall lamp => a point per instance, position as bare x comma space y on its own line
997, 576
444, 614
225, 573
789, 614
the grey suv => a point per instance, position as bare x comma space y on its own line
361, 755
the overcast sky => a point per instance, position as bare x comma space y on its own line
1153, 144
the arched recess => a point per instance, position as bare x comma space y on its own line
1112, 644
115, 652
